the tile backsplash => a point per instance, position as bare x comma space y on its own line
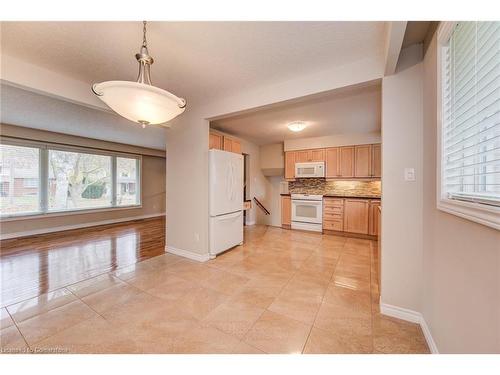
333, 187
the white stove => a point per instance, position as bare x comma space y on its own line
307, 212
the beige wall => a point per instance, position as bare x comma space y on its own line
332, 141
153, 191
272, 159
461, 259
402, 122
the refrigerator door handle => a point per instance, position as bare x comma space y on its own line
229, 216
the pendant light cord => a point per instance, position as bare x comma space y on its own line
144, 41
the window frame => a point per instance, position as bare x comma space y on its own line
478, 212
44, 148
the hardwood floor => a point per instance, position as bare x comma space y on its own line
34, 265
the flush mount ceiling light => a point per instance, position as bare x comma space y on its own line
297, 126
140, 101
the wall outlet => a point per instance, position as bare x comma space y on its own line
409, 174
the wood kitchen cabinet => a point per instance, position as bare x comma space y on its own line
377, 160
216, 141
347, 161
356, 215
332, 162
290, 165
286, 211
363, 161
373, 218
232, 145
306, 156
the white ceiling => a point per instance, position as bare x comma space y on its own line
346, 111
31, 110
195, 60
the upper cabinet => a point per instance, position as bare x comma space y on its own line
305, 156
363, 161
332, 162
221, 142
290, 165
215, 141
377, 160
347, 161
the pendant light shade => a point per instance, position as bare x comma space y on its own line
140, 101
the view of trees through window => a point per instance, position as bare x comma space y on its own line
126, 181
66, 181
78, 180
19, 179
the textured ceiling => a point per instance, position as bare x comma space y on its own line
350, 110
195, 60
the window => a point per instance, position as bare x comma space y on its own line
36, 178
126, 181
20, 180
470, 120
78, 181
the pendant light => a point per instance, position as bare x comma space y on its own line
140, 101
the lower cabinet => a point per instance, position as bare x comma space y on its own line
286, 211
356, 212
374, 218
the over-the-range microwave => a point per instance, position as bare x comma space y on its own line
310, 170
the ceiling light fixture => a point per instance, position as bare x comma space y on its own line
140, 101
297, 126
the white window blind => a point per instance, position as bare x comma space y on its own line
471, 113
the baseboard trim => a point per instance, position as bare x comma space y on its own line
187, 254
76, 226
250, 222
410, 316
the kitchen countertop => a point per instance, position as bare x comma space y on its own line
343, 196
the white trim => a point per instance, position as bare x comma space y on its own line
76, 226
248, 223
480, 213
187, 254
410, 316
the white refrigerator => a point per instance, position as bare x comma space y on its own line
225, 201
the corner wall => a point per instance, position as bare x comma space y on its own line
402, 123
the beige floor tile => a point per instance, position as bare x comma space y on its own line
299, 305
5, 319
276, 333
49, 323
233, 318
323, 342
12, 342
41, 304
351, 283
396, 336
93, 285
337, 319
227, 283
105, 299
172, 288
148, 278
348, 302
94, 335
200, 302
198, 273
261, 296
205, 340
243, 348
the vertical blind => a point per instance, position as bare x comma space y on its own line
471, 113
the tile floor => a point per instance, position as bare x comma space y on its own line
281, 292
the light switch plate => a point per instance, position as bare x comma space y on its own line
409, 174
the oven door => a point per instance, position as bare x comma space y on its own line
307, 211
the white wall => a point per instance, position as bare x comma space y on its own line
332, 141
461, 259
187, 184
402, 126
